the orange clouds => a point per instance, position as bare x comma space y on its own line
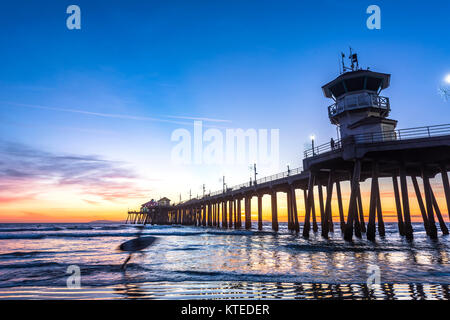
33, 183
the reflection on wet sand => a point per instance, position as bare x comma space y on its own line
236, 290
262, 290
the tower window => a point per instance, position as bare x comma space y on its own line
338, 89
355, 84
373, 84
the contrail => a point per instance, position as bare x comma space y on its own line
200, 119
118, 116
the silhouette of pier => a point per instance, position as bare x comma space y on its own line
369, 148
416, 157
420, 153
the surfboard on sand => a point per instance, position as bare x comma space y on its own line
137, 244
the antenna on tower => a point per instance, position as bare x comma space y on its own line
354, 60
343, 68
354, 64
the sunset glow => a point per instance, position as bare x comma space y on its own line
87, 131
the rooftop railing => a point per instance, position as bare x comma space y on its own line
401, 134
357, 101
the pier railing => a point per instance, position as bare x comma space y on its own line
259, 181
400, 134
337, 144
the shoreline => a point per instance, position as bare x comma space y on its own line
196, 290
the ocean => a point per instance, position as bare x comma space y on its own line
37, 262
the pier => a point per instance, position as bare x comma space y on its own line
370, 147
421, 155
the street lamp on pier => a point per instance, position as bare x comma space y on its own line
312, 137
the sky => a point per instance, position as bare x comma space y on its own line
87, 116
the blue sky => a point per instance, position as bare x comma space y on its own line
256, 64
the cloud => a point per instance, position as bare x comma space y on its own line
34, 215
91, 202
5, 199
25, 170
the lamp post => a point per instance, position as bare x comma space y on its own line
253, 169
312, 137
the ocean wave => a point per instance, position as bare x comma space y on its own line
63, 235
32, 229
193, 275
234, 233
92, 235
44, 229
35, 264
32, 254
22, 236
77, 228
24, 254
186, 249
149, 232
339, 248
107, 228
